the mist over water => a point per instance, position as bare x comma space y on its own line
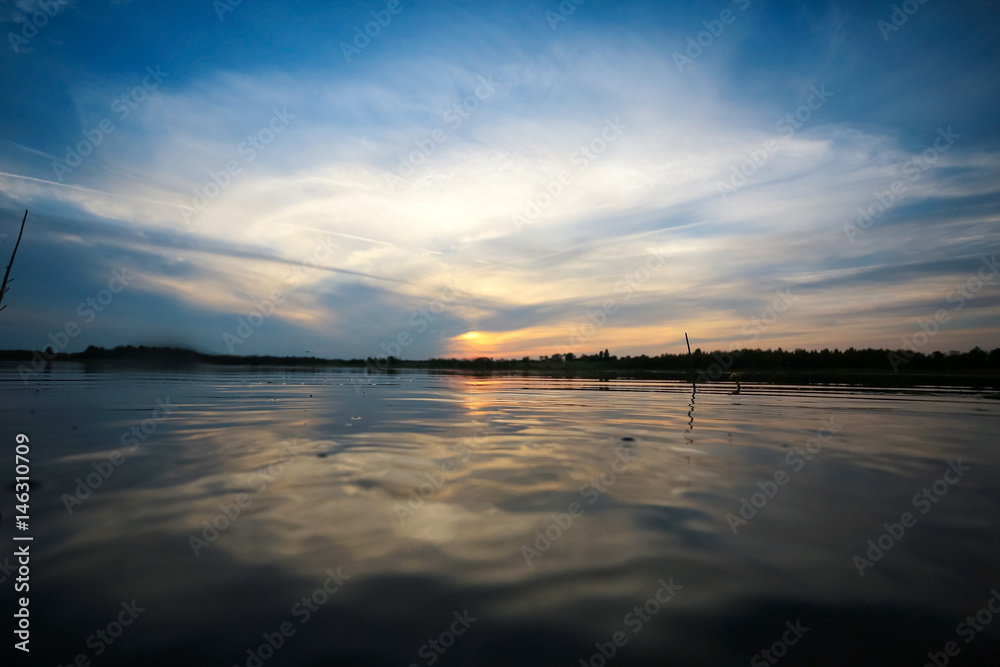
316, 518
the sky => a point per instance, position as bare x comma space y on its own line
428, 179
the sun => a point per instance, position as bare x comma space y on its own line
472, 344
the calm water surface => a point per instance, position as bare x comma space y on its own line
501, 520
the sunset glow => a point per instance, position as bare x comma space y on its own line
578, 191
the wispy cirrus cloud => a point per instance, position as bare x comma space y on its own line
653, 188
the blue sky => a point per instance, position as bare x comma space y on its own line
501, 178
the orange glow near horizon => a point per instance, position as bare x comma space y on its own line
479, 344
472, 344
709, 334
548, 340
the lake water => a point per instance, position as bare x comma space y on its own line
419, 519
